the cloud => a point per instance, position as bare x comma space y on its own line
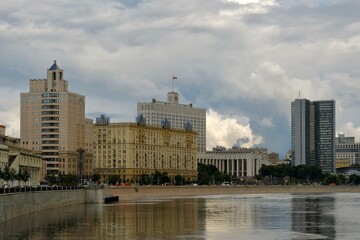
267, 122
350, 130
262, 2
238, 57
227, 132
10, 111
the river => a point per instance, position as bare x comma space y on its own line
246, 216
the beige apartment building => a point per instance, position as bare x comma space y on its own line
133, 149
53, 125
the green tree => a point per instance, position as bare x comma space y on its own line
222, 177
9, 174
51, 179
207, 174
282, 172
6, 173
164, 178
341, 179
113, 179
22, 176
156, 178
1, 174
331, 179
144, 179
96, 177
354, 179
70, 180
18, 176
179, 180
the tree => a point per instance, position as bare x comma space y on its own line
331, 179
113, 179
179, 180
1, 174
282, 172
52, 179
144, 179
354, 179
341, 179
69, 180
222, 177
22, 176
207, 174
12, 176
96, 177
9, 174
156, 177
164, 178
18, 176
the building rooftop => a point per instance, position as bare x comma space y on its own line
54, 66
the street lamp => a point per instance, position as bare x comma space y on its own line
81, 152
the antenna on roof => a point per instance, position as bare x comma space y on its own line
173, 78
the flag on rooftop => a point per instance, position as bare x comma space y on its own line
174, 77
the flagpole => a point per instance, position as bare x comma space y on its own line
173, 78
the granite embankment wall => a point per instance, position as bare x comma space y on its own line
17, 204
177, 191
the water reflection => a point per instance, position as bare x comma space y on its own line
262, 216
314, 215
154, 219
51, 224
165, 219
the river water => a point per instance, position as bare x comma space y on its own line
260, 216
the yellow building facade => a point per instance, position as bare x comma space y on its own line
131, 150
19, 158
340, 163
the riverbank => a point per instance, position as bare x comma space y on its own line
128, 192
21, 203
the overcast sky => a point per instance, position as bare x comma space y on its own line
242, 60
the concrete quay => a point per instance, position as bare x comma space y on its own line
17, 204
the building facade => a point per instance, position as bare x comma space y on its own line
53, 125
238, 162
4, 155
20, 159
130, 150
2, 130
180, 116
300, 131
347, 151
313, 133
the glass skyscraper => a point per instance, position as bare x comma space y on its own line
313, 133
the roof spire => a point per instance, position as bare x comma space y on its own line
54, 67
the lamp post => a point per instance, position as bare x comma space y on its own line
81, 152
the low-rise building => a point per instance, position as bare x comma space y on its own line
133, 149
347, 151
238, 162
2, 130
19, 158
342, 163
4, 155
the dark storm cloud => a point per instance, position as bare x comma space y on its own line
245, 60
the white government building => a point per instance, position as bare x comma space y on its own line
238, 162
180, 116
